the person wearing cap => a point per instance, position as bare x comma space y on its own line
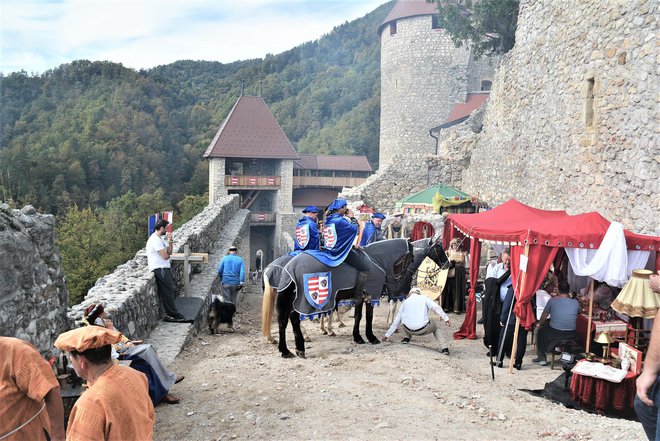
307, 231
340, 230
231, 272
30, 401
143, 356
116, 404
158, 259
372, 230
414, 316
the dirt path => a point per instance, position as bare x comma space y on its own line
238, 387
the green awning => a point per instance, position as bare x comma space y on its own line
444, 196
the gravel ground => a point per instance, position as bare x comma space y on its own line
238, 387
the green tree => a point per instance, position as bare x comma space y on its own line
82, 243
488, 26
189, 207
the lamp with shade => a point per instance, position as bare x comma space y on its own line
604, 338
637, 300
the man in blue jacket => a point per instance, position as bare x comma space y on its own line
372, 231
232, 276
307, 231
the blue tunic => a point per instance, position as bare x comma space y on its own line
307, 236
370, 234
339, 235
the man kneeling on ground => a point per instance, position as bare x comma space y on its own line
414, 315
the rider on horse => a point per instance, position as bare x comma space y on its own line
339, 234
307, 232
372, 230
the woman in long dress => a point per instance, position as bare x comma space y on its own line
453, 295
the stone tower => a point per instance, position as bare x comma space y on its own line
423, 75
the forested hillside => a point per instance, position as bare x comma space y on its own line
102, 146
90, 131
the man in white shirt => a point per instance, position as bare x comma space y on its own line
414, 315
158, 259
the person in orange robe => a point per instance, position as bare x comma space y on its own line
30, 400
116, 405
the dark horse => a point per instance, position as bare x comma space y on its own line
393, 263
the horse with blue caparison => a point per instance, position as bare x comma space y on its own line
304, 286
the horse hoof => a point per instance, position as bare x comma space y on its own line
332, 334
341, 325
271, 340
324, 332
359, 341
374, 341
308, 339
288, 354
300, 354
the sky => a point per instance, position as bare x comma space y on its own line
37, 35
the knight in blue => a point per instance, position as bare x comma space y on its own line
307, 231
372, 230
339, 233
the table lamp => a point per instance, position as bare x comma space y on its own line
637, 300
605, 338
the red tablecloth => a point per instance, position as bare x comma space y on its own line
616, 328
604, 395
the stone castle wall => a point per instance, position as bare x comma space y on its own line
571, 123
33, 296
422, 76
130, 294
573, 119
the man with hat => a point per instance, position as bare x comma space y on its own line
414, 315
30, 400
307, 231
116, 404
372, 230
232, 275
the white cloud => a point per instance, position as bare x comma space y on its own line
36, 35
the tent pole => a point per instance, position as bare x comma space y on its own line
591, 310
514, 344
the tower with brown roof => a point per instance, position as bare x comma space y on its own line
423, 76
251, 156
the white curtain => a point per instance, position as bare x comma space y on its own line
609, 262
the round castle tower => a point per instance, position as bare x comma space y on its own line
423, 75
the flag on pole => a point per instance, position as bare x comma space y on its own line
153, 218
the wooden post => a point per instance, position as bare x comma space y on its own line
188, 258
591, 310
515, 333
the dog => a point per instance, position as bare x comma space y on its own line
221, 312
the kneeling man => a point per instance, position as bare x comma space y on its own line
414, 315
116, 405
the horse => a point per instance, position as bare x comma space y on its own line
392, 268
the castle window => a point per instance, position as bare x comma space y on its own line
435, 22
486, 85
589, 105
393, 28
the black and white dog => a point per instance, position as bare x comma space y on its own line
221, 312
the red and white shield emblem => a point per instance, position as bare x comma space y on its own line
302, 235
330, 236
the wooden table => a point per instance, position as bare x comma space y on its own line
616, 328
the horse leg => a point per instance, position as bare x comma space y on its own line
357, 338
331, 333
304, 333
300, 340
369, 317
267, 308
323, 330
339, 313
391, 311
284, 309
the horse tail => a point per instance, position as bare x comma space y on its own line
267, 307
